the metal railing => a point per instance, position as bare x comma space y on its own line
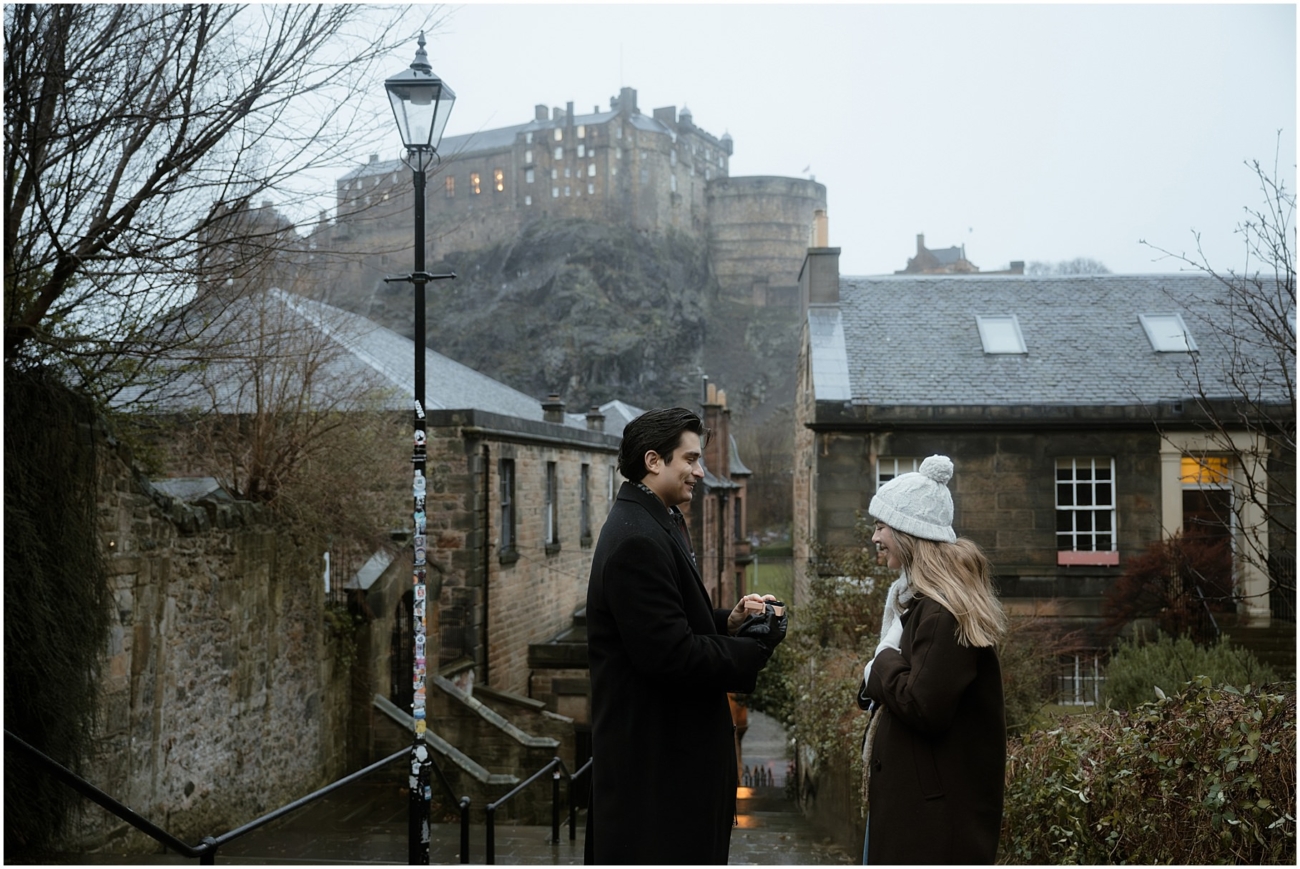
206, 850
557, 768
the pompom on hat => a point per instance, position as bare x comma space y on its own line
918, 503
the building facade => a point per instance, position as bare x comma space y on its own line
1070, 409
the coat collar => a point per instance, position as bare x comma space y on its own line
655, 507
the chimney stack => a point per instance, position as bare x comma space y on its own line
553, 409
920, 243
595, 419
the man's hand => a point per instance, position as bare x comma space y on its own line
737, 616
769, 629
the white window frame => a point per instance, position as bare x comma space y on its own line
1168, 333
1074, 554
1000, 334
888, 467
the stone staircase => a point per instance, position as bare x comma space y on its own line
1274, 644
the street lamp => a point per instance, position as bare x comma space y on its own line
421, 103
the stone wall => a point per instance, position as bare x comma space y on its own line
758, 230
223, 695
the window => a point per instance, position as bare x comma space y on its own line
528, 200
1203, 470
528, 176
552, 530
555, 192
499, 180
559, 152
559, 134
555, 173
888, 467
528, 138
591, 189
584, 506
1167, 333
1085, 511
566, 189
582, 150
528, 156
673, 182
568, 172
618, 132
672, 157
1079, 681
591, 170
1000, 334
582, 131
475, 184
506, 477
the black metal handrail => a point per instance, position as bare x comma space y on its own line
206, 850
557, 768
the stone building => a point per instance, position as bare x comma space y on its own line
656, 172
518, 490
948, 261
1069, 408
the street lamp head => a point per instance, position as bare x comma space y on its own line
421, 103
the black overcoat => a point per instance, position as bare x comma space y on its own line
664, 770
939, 756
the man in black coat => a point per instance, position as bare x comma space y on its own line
662, 661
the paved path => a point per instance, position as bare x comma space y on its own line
366, 823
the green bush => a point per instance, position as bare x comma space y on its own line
1205, 776
1137, 668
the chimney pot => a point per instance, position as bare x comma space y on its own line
920, 242
1018, 267
821, 229
595, 419
553, 408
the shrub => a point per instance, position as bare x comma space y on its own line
1137, 668
1176, 583
1205, 776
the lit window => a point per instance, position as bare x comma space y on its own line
499, 180
1001, 334
559, 134
591, 170
591, 189
1204, 471
1167, 333
528, 200
1085, 506
582, 150
555, 192
528, 156
559, 152
528, 176
475, 184
582, 131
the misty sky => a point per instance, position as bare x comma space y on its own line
1025, 132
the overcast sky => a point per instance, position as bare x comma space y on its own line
1025, 132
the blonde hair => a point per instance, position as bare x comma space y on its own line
957, 576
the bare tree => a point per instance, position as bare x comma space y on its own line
1080, 265
133, 132
1253, 420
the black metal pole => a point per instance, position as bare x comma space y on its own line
555, 806
491, 847
421, 791
464, 829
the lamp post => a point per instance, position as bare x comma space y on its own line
421, 103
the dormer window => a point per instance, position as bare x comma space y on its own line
1000, 334
1167, 333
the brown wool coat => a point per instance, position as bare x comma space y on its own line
664, 758
939, 756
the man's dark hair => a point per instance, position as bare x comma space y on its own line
659, 430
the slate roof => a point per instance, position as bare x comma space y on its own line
371, 355
913, 340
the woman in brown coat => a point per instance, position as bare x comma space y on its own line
935, 750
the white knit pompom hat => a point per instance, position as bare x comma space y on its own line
918, 503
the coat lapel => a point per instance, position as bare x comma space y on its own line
656, 509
